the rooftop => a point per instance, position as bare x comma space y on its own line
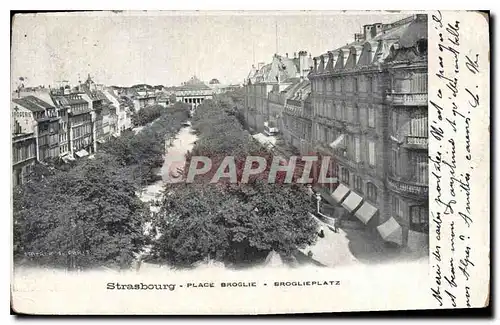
27, 102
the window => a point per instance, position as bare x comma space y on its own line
345, 176
371, 192
356, 113
397, 207
371, 153
420, 168
355, 84
371, 117
395, 162
418, 125
339, 111
394, 120
358, 184
369, 84
344, 112
357, 149
419, 218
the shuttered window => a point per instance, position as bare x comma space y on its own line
418, 125
420, 167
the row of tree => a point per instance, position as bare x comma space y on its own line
147, 115
90, 215
237, 224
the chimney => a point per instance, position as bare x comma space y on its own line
367, 32
294, 55
287, 55
358, 37
376, 29
304, 65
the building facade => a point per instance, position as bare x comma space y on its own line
192, 92
264, 101
123, 118
80, 122
143, 99
369, 102
296, 119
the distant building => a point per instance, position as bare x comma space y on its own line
80, 122
123, 114
143, 99
35, 127
193, 92
264, 84
164, 99
105, 115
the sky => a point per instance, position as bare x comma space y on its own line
167, 48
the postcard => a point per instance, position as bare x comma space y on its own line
249, 162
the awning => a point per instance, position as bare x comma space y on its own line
418, 241
340, 192
82, 153
101, 141
366, 212
352, 202
391, 231
337, 141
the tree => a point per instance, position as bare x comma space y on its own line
147, 115
234, 223
86, 217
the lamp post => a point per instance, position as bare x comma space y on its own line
318, 200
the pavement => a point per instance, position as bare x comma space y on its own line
331, 250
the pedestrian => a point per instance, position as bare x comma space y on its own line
336, 225
321, 233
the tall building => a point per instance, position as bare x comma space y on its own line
105, 116
78, 119
296, 119
369, 103
45, 123
24, 139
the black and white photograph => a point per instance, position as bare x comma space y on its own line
183, 156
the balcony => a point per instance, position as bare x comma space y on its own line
325, 120
417, 142
407, 99
348, 161
407, 187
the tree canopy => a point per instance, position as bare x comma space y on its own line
233, 223
89, 214
85, 217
